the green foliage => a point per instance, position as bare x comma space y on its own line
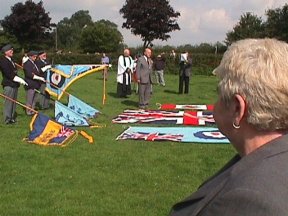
150, 19
108, 177
28, 22
102, 36
249, 26
276, 24
69, 30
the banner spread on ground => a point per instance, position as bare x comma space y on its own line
44, 131
195, 118
176, 134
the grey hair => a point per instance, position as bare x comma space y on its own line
257, 69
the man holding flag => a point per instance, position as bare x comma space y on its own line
43, 66
10, 83
34, 79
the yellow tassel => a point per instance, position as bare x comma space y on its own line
87, 136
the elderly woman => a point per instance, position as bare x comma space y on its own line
252, 112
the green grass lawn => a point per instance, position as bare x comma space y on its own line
108, 177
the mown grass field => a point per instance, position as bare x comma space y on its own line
108, 177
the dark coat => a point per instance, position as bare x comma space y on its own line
185, 67
9, 71
40, 64
255, 185
30, 69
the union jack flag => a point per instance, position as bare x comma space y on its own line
151, 136
65, 131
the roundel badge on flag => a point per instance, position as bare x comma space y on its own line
56, 80
214, 134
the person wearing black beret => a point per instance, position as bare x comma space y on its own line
10, 83
43, 66
33, 78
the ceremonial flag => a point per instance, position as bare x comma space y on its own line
82, 108
195, 118
69, 117
176, 134
184, 107
44, 131
61, 77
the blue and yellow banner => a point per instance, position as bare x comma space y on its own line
44, 131
60, 77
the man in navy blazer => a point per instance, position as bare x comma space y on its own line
33, 78
10, 83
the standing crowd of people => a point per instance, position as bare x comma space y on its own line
146, 71
35, 66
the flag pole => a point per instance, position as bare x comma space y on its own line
104, 87
19, 103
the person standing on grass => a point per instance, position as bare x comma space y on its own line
105, 60
10, 83
159, 66
124, 74
185, 72
144, 78
43, 67
251, 111
33, 78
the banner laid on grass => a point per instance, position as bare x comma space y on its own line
184, 107
165, 117
176, 134
44, 131
82, 108
61, 77
69, 117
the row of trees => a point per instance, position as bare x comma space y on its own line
253, 26
29, 27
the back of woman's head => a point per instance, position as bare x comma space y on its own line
257, 69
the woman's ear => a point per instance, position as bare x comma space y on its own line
239, 108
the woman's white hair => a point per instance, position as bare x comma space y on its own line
257, 69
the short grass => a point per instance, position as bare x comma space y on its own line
108, 177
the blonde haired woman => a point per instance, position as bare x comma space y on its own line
252, 112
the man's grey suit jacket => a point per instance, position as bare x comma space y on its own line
144, 70
255, 185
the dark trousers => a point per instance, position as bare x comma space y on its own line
30, 101
9, 108
183, 79
43, 98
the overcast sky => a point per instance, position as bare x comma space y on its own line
200, 20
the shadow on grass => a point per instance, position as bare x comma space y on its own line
170, 91
130, 103
113, 94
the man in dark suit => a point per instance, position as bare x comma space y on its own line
10, 83
144, 78
43, 66
251, 112
185, 72
33, 78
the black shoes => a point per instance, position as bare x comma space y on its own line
12, 121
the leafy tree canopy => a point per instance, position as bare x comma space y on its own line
150, 19
28, 22
69, 29
249, 26
102, 36
276, 25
